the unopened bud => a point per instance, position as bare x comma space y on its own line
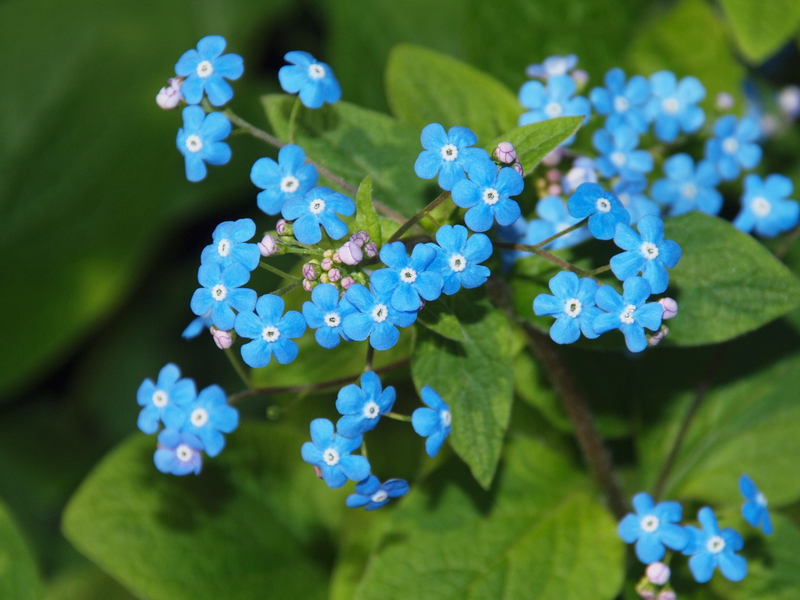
658, 573
789, 101
326, 264
169, 96
667, 595
360, 238
505, 153
283, 227
580, 77
553, 189
670, 308
553, 175
328, 253
371, 249
347, 282
350, 254
222, 338
318, 471
724, 101
646, 593
267, 246
310, 271
334, 275
324, 278
309, 285
518, 168
658, 336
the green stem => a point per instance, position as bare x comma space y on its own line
417, 217
567, 266
598, 270
563, 232
239, 368
288, 288
278, 272
252, 129
398, 417
293, 119
370, 356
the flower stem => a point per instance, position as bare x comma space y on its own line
370, 357
598, 270
278, 272
293, 119
563, 232
417, 217
567, 266
288, 288
398, 417
239, 368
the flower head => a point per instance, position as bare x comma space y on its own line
447, 154
572, 306
754, 510
229, 245
363, 406
711, 547
647, 252
552, 66
653, 527
602, 207
487, 195
458, 257
325, 313
556, 99
766, 208
178, 453
688, 188
623, 102
734, 146
164, 400
673, 105
200, 141
313, 79
206, 70
619, 155
375, 317
371, 494
271, 332
629, 313
221, 293
290, 176
330, 452
319, 206
434, 422
208, 417
409, 277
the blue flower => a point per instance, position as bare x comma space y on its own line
363, 406
290, 176
325, 313
457, 258
206, 71
573, 306
372, 494
554, 218
313, 79
754, 510
331, 453
228, 246
619, 155
209, 416
628, 312
766, 208
447, 154
221, 293
178, 453
733, 146
551, 66
196, 327
686, 188
583, 170
432, 423
624, 103
647, 253
554, 100
602, 207
711, 548
376, 318
164, 399
270, 331
408, 277
486, 195
631, 194
653, 527
673, 105
318, 206
200, 141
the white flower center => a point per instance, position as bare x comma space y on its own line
458, 263
218, 292
621, 104
379, 313
649, 523
603, 205
670, 106
649, 250
371, 410
408, 275
316, 72
224, 247
760, 206
627, 316
317, 206
199, 417
618, 158
553, 109
194, 143
184, 453
730, 145
491, 196
689, 191
332, 319
573, 307
160, 398
289, 184
761, 499
449, 153
270, 334
204, 69
330, 456
379, 496
444, 417
715, 544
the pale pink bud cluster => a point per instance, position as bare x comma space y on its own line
353, 250
267, 246
670, 308
507, 154
222, 338
170, 96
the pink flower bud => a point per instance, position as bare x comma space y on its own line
518, 168
505, 153
282, 227
360, 238
670, 308
326, 264
222, 338
553, 189
336, 257
169, 96
347, 282
351, 254
580, 77
309, 285
371, 249
553, 175
724, 101
334, 275
647, 594
267, 246
553, 157
310, 271
667, 595
318, 471
658, 573
658, 336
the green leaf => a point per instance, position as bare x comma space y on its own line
438, 317
245, 525
535, 140
366, 216
19, 577
545, 537
86, 582
425, 87
761, 28
726, 282
354, 142
476, 378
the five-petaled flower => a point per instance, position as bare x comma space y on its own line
572, 306
458, 257
200, 141
487, 195
271, 332
178, 453
654, 528
228, 245
164, 399
331, 453
754, 510
448, 154
409, 277
647, 252
206, 70
319, 206
711, 547
766, 207
363, 406
325, 313
313, 79
208, 417
375, 317
434, 422
602, 207
630, 313
221, 293
371, 494
290, 176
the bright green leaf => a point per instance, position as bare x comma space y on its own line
366, 216
761, 28
438, 316
19, 578
534, 141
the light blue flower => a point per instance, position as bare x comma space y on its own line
629, 313
164, 400
602, 207
673, 105
447, 154
618, 154
319, 206
196, 327
654, 528
290, 176
208, 417
409, 278
372, 494
325, 313
623, 102
686, 188
733, 146
206, 70
200, 141
486, 195
711, 548
754, 510
647, 252
330, 452
229, 245
313, 79
557, 99
766, 208
178, 453
572, 306
583, 170
271, 332
221, 293
554, 217
458, 257
375, 318
552, 66
631, 194
432, 423
363, 406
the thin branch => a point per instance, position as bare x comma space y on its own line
417, 217
567, 266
